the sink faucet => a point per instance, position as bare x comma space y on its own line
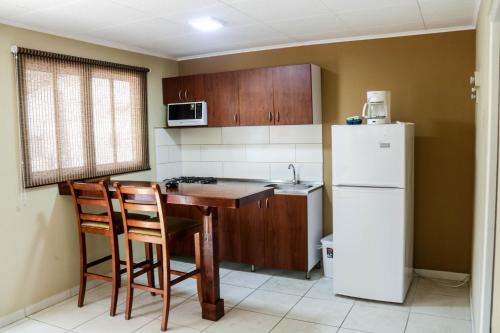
291, 166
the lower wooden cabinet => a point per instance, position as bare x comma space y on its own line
273, 233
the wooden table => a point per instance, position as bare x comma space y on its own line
208, 197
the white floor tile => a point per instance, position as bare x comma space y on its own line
376, 320
291, 325
288, 285
189, 314
441, 287
233, 295
181, 265
323, 289
149, 306
28, 325
155, 325
104, 324
442, 305
244, 321
68, 315
102, 295
320, 311
245, 279
419, 323
269, 302
185, 289
345, 330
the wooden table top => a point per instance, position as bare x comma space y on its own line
210, 195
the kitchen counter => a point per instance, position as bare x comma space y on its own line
280, 186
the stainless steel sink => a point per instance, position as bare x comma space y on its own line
289, 187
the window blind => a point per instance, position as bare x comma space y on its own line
80, 118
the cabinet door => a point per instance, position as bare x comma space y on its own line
172, 90
255, 92
192, 88
252, 234
286, 232
229, 235
292, 95
221, 91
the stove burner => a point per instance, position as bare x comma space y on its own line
173, 182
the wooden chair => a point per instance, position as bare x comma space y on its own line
159, 230
95, 215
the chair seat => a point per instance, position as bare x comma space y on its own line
175, 225
118, 218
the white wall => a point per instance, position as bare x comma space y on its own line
249, 152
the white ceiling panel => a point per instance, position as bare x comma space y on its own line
443, 13
390, 16
161, 27
310, 25
275, 10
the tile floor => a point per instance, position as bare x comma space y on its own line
264, 301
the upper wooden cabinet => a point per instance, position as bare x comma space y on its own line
255, 92
183, 89
283, 95
221, 92
293, 94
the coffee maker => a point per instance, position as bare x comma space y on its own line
377, 109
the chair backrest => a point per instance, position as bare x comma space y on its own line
93, 196
140, 199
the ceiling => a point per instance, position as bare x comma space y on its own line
160, 27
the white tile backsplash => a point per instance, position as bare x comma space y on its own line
271, 153
167, 136
251, 152
168, 170
304, 171
223, 153
246, 170
191, 153
162, 154
296, 134
202, 169
204, 135
309, 153
245, 135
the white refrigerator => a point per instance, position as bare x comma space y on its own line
373, 210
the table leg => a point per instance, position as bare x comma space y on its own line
212, 307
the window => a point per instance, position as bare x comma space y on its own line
80, 118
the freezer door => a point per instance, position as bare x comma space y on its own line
369, 155
369, 243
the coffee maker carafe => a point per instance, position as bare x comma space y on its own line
377, 109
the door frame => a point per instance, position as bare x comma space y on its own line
492, 77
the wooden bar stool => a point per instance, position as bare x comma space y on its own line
95, 215
159, 230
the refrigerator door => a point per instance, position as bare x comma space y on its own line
369, 155
369, 243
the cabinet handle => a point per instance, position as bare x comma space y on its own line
278, 116
235, 118
267, 203
270, 116
179, 94
259, 203
186, 94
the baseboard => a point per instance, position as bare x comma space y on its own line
12, 317
442, 275
45, 303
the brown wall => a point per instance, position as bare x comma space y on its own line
428, 78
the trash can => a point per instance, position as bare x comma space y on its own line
327, 247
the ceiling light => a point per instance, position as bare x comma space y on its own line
206, 24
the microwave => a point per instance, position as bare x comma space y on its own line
187, 114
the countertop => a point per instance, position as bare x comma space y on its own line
276, 184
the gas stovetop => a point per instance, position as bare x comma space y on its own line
174, 182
